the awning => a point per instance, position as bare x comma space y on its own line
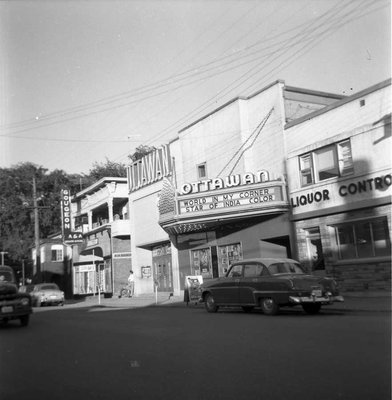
88, 259
97, 250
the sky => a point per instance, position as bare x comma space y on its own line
83, 82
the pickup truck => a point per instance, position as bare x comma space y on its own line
13, 304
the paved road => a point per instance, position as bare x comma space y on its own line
178, 352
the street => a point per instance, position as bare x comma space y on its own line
186, 353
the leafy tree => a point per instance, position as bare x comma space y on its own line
16, 206
140, 152
108, 168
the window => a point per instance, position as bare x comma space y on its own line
325, 163
235, 272
202, 170
57, 253
252, 270
363, 239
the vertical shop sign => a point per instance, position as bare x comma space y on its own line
69, 236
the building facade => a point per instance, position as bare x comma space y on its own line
103, 261
339, 175
218, 192
55, 263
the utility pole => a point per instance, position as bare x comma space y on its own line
2, 256
36, 232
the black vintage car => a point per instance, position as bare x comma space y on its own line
13, 304
269, 283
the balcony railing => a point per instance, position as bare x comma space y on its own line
121, 227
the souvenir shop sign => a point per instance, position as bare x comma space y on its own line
244, 198
149, 169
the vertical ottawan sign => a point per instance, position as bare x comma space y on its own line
149, 169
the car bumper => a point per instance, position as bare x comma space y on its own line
16, 312
327, 299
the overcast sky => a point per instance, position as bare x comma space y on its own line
86, 81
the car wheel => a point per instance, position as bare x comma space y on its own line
24, 321
247, 309
311, 308
210, 303
269, 306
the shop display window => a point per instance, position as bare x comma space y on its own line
327, 162
363, 239
228, 254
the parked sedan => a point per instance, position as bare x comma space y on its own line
269, 283
45, 294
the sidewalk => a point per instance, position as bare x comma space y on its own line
354, 302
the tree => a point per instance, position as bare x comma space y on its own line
140, 152
16, 202
108, 168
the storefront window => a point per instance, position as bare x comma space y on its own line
363, 239
228, 254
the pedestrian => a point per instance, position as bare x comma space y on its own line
131, 283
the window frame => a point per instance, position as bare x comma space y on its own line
59, 253
199, 168
356, 242
344, 166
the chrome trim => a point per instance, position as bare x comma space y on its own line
313, 299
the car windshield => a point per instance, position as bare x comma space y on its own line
6, 276
285, 268
49, 287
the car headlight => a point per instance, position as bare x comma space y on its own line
25, 301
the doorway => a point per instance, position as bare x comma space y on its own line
162, 268
315, 250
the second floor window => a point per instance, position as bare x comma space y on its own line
202, 171
328, 162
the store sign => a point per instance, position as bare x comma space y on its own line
151, 168
127, 254
334, 194
226, 182
85, 268
69, 236
73, 237
66, 210
245, 198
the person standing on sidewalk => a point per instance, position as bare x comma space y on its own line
131, 283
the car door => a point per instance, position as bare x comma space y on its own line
250, 282
227, 290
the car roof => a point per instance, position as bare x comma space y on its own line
38, 285
265, 261
5, 268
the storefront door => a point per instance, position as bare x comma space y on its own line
315, 250
162, 268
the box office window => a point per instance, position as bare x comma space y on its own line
363, 239
327, 162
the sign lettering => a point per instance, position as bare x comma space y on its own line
151, 168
